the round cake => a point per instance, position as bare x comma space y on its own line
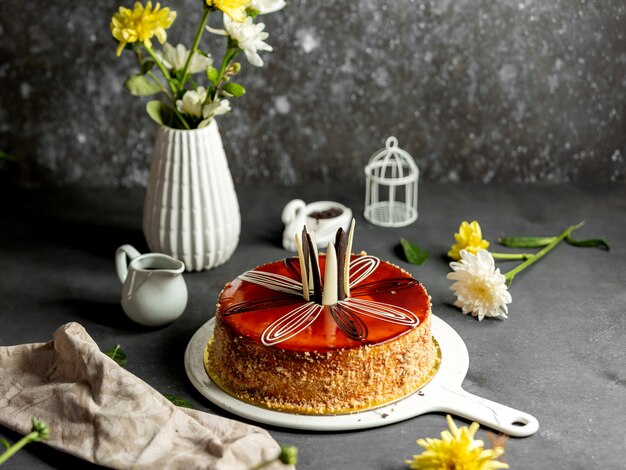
281, 345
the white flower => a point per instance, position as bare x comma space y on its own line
192, 101
174, 58
267, 6
480, 288
213, 109
249, 36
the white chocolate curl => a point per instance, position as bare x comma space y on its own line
346, 266
329, 294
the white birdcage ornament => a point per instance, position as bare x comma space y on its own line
391, 187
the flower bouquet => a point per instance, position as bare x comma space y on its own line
189, 104
191, 210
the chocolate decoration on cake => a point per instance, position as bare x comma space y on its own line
346, 312
351, 325
315, 270
340, 245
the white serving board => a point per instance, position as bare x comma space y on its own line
442, 394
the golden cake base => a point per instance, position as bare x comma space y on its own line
303, 411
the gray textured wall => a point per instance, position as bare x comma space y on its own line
475, 90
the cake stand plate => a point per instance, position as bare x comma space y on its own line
443, 393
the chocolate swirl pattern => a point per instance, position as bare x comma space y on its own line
347, 313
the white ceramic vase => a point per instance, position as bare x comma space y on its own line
191, 210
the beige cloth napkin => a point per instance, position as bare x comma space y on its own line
102, 413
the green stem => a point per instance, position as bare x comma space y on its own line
194, 47
162, 68
180, 117
32, 437
165, 90
166, 74
231, 53
515, 271
511, 256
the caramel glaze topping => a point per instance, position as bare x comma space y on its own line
247, 309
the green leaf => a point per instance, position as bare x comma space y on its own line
5, 443
592, 243
178, 401
234, 89
414, 254
526, 242
156, 110
117, 355
211, 74
141, 85
146, 66
7, 156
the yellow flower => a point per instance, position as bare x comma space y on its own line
140, 24
457, 450
469, 238
236, 9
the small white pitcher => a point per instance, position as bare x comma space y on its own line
154, 292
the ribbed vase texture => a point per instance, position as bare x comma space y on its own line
191, 210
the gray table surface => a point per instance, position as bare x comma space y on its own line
560, 356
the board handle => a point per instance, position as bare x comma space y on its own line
489, 413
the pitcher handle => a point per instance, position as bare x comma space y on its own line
121, 263
293, 217
291, 209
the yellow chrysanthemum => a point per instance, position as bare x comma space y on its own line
236, 9
140, 24
457, 450
469, 238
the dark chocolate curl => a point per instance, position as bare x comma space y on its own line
349, 323
293, 266
305, 252
340, 246
315, 269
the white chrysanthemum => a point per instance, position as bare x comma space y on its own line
250, 38
192, 101
480, 288
174, 58
215, 108
267, 6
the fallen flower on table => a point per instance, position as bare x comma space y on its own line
468, 238
457, 449
39, 432
480, 288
